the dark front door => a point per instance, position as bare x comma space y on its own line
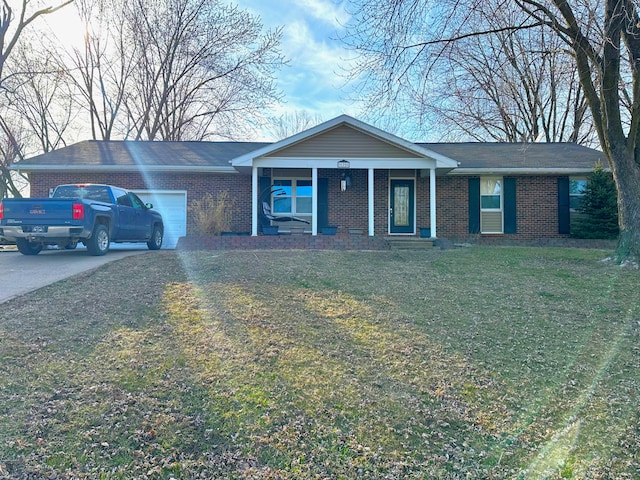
401, 206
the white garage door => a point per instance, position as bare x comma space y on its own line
172, 205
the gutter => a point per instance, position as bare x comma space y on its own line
122, 168
521, 171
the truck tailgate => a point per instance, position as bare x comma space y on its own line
38, 211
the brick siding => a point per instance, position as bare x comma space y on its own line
537, 211
196, 186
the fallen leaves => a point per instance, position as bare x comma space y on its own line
307, 365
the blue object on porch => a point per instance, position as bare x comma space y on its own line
270, 229
425, 233
328, 230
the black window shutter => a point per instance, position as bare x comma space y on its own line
264, 185
474, 205
323, 202
564, 215
510, 210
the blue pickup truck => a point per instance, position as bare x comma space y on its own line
95, 215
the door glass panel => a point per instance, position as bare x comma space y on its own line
401, 206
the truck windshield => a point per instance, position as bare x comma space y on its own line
90, 192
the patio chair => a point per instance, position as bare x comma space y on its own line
266, 213
266, 207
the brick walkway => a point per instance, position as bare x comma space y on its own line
284, 242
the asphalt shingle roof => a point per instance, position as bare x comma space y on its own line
126, 153
219, 154
519, 155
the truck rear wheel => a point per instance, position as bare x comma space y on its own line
27, 248
98, 244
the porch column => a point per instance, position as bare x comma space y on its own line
314, 201
254, 201
432, 201
371, 203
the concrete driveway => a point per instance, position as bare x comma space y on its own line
20, 274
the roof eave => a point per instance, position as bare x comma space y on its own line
522, 171
123, 168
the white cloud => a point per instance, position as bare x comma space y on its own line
325, 10
312, 80
319, 56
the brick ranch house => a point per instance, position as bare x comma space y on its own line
342, 173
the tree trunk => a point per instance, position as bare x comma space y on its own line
626, 172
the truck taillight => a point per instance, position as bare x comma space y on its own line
1, 211
78, 211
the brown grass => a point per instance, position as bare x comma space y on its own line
471, 363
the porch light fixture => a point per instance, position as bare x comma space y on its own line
345, 181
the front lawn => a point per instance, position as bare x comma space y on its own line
494, 363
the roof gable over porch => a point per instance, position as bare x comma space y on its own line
344, 138
344, 141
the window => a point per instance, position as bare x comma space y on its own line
491, 205
121, 197
303, 197
136, 202
577, 188
292, 196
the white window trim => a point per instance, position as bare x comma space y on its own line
294, 206
492, 210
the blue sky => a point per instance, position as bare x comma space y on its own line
313, 81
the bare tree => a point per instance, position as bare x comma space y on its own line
512, 85
398, 39
13, 23
40, 101
173, 69
289, 124
101, 68
10, 151
176, 69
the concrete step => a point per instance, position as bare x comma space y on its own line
409, 243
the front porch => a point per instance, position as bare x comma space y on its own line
348, 174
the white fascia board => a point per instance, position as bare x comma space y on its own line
354, 163
520, 171
122, 168
250, 159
